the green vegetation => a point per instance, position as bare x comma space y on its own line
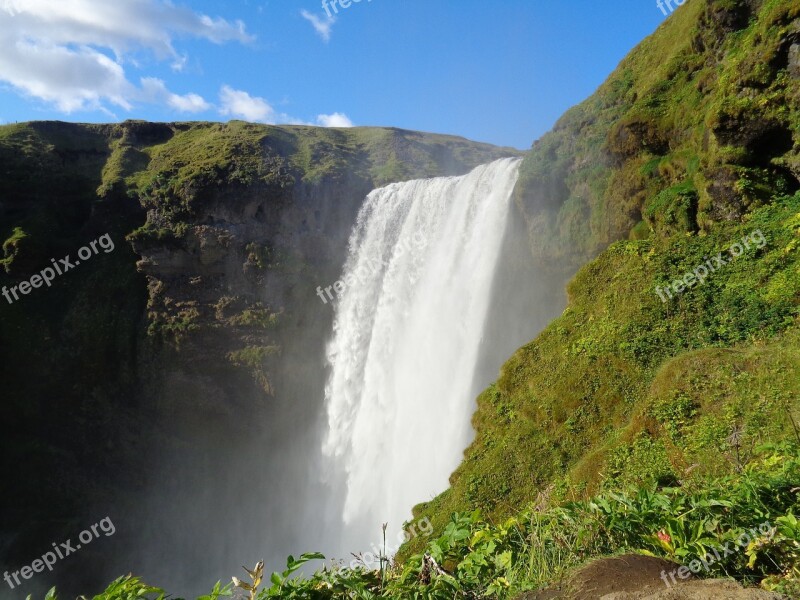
174, 325
624, 388
174, 169
11, 248
700, 120
629, 424
752, 513
255, 359
256, 317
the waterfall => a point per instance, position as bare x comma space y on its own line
409, 318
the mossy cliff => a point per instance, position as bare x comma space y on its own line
696, 126
221, 231
691, 146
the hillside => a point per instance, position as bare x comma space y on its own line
689, 148
697, 125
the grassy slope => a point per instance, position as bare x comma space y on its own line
246, 151
624, 388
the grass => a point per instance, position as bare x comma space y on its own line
11, 248
571, 411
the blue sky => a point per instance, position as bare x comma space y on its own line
500, 72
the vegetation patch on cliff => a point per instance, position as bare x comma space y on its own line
701, 119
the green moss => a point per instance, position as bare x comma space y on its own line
673, 210
674, 412
642, 462
391, 170
174, 326
709, 89
256, 360
641, 231
11, 248
253, 356
257, 317
624, 388
260, 255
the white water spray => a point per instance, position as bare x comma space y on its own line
406, 340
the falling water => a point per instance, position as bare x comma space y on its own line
406, 340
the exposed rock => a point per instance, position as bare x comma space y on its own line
711, 589
762, 137
794, 60
255, 233
727, 203
630, 137
637, 577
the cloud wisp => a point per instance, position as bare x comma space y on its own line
238, 104
334, 120
322, 25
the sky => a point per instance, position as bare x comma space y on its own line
499, 72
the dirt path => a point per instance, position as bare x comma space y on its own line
635, 577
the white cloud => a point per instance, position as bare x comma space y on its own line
74, 54
334, 120
322, 26
71, 79
70, 53
237, 103
122, 25
155, 91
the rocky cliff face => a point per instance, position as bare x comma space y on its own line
200, 322
234, 250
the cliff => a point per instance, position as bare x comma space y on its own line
171, 343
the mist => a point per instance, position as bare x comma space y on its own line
257, 485
226, 474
